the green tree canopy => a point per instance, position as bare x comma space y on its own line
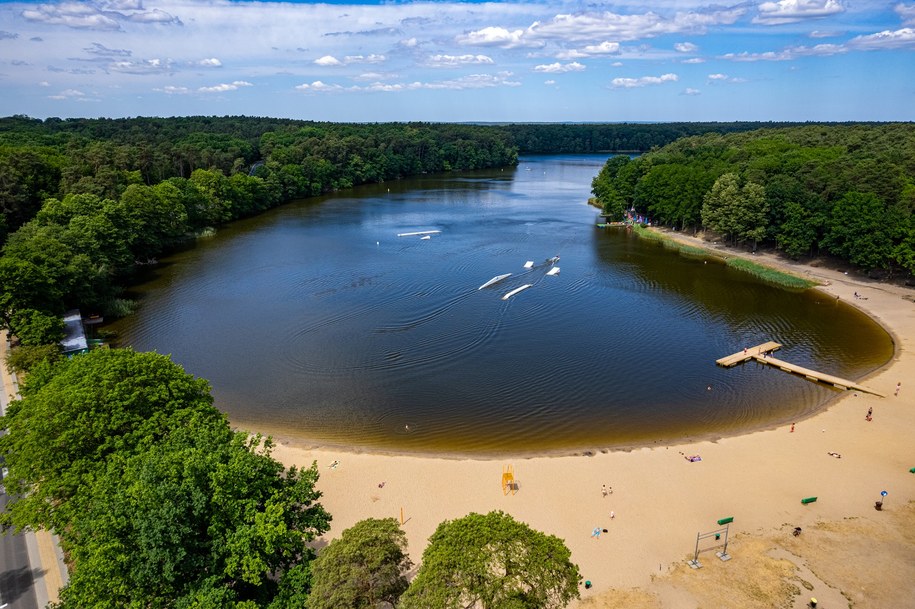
492, 562
365, 566
75, 415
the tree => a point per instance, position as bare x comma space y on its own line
34, 328
365, 566
859, 231
75, 415
492, 562
720, 207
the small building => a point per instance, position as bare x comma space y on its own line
74, 341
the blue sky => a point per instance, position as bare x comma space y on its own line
631, 60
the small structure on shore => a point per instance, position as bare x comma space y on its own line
74, 341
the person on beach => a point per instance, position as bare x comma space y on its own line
898, 385
603, 490
792, 428
870, 411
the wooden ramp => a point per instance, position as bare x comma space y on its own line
813, 375
748, 354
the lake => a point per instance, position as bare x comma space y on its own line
316, 321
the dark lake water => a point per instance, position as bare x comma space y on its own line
317, 321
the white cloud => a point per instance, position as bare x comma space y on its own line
471, 81
318, 86
899, 39
617, 64
824, 34
328, 60
643, 81
225, 87
409, 43
558, 68
685, 47
44, 83
691, 91
363, 59
449, 61
583, 27
693, 60
549, 82
97, 15
789, 54
906, 12
591, 50
210, 62
724, 78
141, 66
173, 90
68, 94
791, 11
493, 37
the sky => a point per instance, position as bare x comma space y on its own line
449, 61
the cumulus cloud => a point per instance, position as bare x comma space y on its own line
558, 68
643, 81
140, 67
225, 87
791, 11
724, 78
685, 47
495, 37
906, 12
690, 91
172, 90
899, 39
210, 62
549, 82
328, 60
449, 61
693, 60
68, 94
331, 61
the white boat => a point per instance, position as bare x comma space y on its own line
516, 290
425, 237
495, 279
553, 271
419, 232
552, 260
529, 264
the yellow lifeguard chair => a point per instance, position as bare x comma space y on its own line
508, 480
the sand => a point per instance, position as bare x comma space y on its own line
661, 501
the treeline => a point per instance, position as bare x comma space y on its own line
82, 212
545, 138
158, 503
843, 190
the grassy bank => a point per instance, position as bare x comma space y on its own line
765, 273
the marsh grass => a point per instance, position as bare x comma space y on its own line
764, 273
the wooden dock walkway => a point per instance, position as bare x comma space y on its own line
761, 353
748, 354
813, 375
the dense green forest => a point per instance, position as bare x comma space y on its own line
843, 190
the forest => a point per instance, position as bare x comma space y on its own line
846, 191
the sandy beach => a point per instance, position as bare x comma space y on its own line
848, 552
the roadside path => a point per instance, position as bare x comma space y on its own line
44, 555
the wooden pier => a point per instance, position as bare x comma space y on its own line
748, 354
761, 354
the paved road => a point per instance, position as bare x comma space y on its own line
17, 580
